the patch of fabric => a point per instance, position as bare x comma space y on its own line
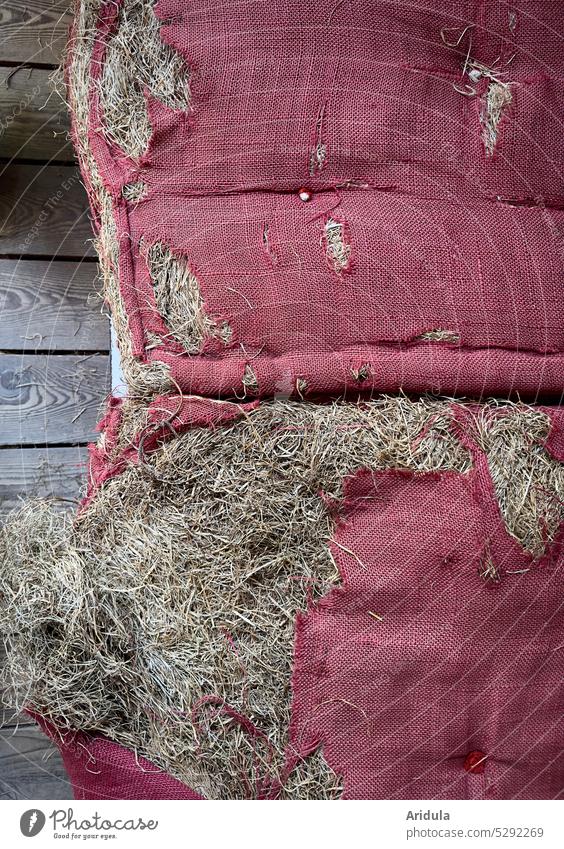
386, 195
434, 671
98, 768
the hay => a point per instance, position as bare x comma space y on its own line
494, 103
529, 483
337, 248
136, 58
174, 594
179, 300
250, 381
439, 335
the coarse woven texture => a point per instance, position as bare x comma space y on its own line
386, 196
163, 618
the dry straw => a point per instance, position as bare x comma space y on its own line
167, 609
163, 615
179, 300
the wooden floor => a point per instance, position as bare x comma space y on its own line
54, 342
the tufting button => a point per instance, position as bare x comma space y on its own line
304, 195
475, 762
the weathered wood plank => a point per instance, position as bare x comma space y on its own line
50, 306
34, 30
48, 472
43, 210
34, 121
51, 399
30, 766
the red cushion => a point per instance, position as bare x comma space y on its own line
440, 235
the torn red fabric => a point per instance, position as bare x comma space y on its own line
383, 125
555, 442
420, 661
98, 768
167, 416
432, 672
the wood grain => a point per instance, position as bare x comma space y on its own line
51, 399
34, 30
50, 306
48, 472
34, 121
30, 766
8, 715
43, 211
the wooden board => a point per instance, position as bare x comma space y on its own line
43, 211
51, 306
48, 472
51, 399
34, 120
34, 30
30, 766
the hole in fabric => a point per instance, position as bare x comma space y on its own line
488, 570
493, 106
318, 153
250, 381
362, 373
497, 97
301, 386
528, 482
267, 244
475, 762
137, 58
260, 551
179, 300
317, 158
337, 247
440, 336
153, 341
